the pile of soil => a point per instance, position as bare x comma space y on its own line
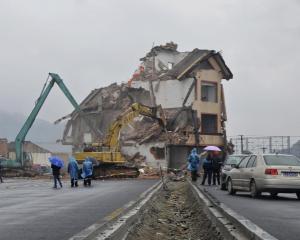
174, 214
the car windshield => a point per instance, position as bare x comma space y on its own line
234, 159
283, 160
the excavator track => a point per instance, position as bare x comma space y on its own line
19, 172
107, 171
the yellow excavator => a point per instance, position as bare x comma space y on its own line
109, 161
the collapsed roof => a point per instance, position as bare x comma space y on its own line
99, 109
193, 59
166, 62
102, 106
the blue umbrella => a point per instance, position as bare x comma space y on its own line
56, 161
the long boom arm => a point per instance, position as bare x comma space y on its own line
136, 109
55, 78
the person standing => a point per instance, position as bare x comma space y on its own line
207, 167
193, 164
87, 172
73, 170
216, 168
56, 175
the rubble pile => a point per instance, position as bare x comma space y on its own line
115, 97
174, 214
137, 160
146, 130
120, 97
143, 131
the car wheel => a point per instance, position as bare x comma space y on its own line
223, 187
230, 188
253, 190
274, 194
298, 195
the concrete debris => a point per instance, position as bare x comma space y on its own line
137, 159
101, 107
169, 46
177, 132
146, 133
177, 175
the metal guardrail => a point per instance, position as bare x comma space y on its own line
266, 144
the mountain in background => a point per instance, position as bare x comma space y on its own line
42, 132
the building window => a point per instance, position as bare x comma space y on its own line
209, 92
209, 124
170, 65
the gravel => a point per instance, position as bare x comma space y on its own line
174, 214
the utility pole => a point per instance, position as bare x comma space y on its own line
270, 144
242, 146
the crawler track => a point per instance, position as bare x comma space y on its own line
115, 171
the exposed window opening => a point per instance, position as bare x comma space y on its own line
170, 65
157, 152
209, 124
209, 92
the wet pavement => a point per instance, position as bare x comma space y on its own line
280, 217
31, 209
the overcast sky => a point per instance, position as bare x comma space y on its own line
92, 43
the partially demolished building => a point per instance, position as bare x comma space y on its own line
188, 85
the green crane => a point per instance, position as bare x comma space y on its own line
55, 78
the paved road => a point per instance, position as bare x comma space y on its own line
33, 210
279, 217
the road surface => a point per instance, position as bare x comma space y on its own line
280, 217
31, 209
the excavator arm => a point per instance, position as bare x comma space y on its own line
111, 160
136, 109
55, 78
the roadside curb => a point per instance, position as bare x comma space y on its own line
117, 224
231, 224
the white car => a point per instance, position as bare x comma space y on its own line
227, 166
273, 173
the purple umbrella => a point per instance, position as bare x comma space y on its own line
212, 148
56, 161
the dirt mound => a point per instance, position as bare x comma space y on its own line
174, 214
